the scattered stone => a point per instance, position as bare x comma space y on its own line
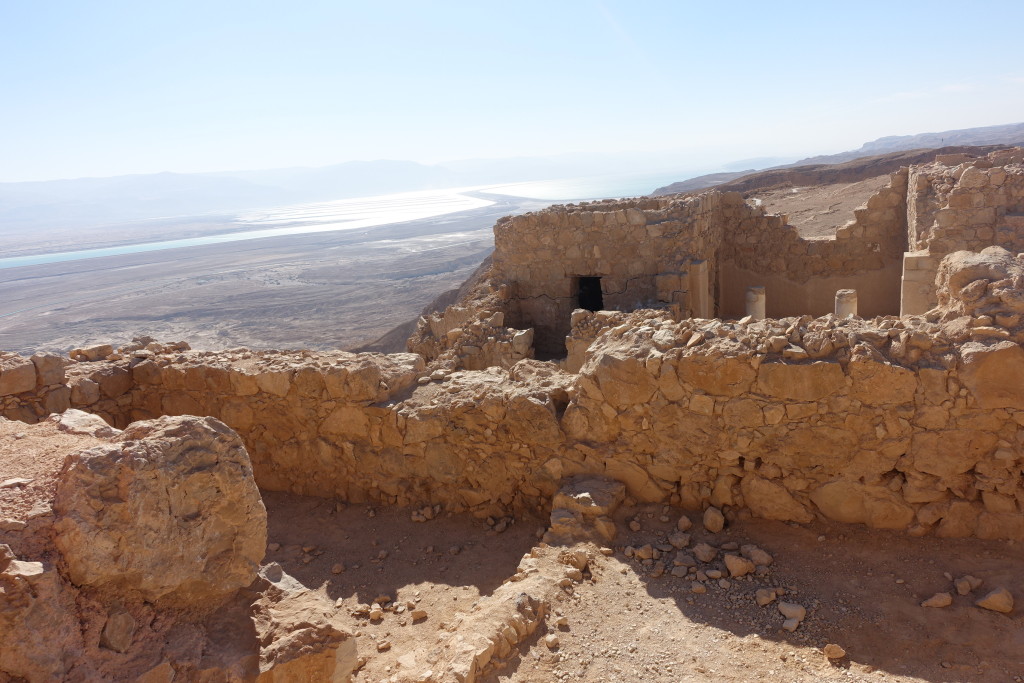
634, 525
966, 584
679, 540
551, 641
764, 596
833, 651
791, 610
698, 587
704, 552
684, 523
17, 481
714, 520
790, 625
938, 600
738, 566
383, 645
999, 600
338, 568
418, 614
756, 555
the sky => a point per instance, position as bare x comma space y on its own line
111, 87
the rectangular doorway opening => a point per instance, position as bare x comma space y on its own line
589, 294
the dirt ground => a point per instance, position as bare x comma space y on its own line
819, 210
862, 590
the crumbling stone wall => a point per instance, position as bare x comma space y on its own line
691, 254
913, 424
958, 203
32, 388
643, 250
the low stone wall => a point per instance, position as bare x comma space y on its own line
32, 388
914, 423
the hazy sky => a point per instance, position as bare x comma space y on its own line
105, 88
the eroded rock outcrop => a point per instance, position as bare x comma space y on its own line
169, 510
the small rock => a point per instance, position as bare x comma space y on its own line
383, 646
714, 520
418, 614
790, 625
17, 481
791, 610
713, 574
551, 640
574, 574
684, 523
679, 540
337, 569
698, 587
562, 622
118, 631
833, 651
756, 555
724, 584
999, 600
938, 600
454, 550
634, 525
273, 547
704, 552
764, 596
376, 613
738, 566
966, 584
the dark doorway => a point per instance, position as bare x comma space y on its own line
590, 296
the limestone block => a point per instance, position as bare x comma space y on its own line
881, 383
17, 375
170, 510
623, 380
950, 452
800, 382
49, 368
718, 375
959, 521
994, 373
770, 500
637, 481
84, 391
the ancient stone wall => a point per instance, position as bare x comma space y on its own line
955, 204
642, 250
32, 388
912, 424
689, 254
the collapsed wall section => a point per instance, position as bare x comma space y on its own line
802, 275
959, 203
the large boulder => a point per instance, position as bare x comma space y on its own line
170, 509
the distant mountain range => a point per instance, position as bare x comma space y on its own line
1009, 134
98, 201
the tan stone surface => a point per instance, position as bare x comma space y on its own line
170, 510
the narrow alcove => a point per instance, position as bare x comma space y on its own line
589, 296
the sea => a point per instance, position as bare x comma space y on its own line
369, 212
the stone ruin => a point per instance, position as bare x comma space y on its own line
672, 378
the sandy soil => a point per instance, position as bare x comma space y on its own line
817, 211
316, 291
862, 590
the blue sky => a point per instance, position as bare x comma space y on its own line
110, 87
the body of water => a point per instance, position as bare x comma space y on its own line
367, 212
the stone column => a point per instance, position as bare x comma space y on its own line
755, 302
846, 303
